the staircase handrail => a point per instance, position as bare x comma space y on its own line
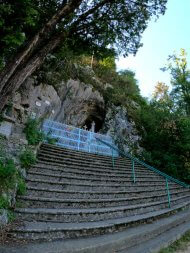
134, 159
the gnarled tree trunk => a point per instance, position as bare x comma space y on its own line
32, 56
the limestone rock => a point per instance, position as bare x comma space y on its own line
79, 102
3, 217
38, 101
123, 130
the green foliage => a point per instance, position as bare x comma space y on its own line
11, 216
33, 135
180, 80
179, 245
51, 140
4, 203
166, 138
7, 168
19, 21
166, 122
124, 87
16, 18
27, 158
21, 189
117, 23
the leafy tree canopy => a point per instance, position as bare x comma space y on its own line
180, 80
166, 122
20, 20
110, 24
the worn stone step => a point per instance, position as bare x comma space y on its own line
54, 193
92, 179
76, 153
40, 202
144, 238
79, 167
89, 186
73, 161
67, 155
53, 231
85, 172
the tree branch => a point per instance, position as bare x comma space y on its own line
36, 40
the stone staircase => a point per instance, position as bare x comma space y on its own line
72, 195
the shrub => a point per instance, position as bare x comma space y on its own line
21, 190
33, 134
11, 216
4, 203
7, 168
50, 139
27, 158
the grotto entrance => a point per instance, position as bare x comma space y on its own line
95, 116
88, 125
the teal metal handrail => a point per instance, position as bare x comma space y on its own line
134, 159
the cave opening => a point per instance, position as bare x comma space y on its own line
95, 117
89, 122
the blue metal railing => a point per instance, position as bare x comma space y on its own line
136, 160
77, 138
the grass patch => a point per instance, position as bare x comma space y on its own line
21, 189
11, 216
179, 245
27, 158
4, 203
33, 135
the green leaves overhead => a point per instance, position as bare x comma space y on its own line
118, 23
97, 24
166, 121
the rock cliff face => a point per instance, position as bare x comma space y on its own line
75, 103
123, 130
78, 104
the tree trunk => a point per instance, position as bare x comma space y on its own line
32, 56
33, 44
27, 69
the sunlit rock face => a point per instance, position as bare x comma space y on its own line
123, 130
81, 105
37, 100
75, 103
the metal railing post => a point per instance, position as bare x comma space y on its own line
79, 139
89, 143
168, 193
169, 178
133, 171
113, 162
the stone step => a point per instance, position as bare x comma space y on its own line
91, 168
54, 193
85, 172
76, 153
72, 161
59, 230
92, 179
89, 186
40, 202
66, 155
144, 238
